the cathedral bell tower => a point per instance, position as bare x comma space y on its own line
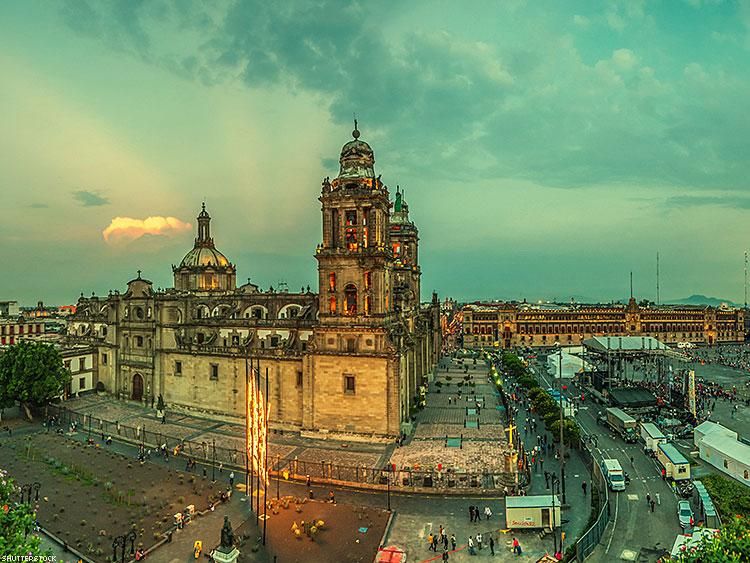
353, 366
354, 260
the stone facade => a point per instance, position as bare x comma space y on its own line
508, 325
347, 359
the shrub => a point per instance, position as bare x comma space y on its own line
83, 522
108, 486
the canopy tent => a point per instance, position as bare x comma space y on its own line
566, 367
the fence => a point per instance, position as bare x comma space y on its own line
283, 467
591, 537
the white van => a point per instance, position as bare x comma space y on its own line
614, 474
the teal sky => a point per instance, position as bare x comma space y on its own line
546, 148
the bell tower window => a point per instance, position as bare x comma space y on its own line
332, 281
332, 305
350, 297
368, 280
351, 230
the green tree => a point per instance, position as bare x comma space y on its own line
32, 373
730, 545
16, 521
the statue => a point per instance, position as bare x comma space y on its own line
227, 535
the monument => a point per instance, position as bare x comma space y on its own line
226, 552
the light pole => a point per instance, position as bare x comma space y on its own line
562, 442
278, 474
213, 460
555, 481
121, 541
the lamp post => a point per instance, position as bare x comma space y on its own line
555, 481
388, 487
121, 541
213, 460
89, 426
278, 474
29, 487
562, 442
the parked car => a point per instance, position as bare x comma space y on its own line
684, 513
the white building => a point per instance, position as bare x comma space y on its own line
81, 362
720, 447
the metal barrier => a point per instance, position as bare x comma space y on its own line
591, 537
207, 452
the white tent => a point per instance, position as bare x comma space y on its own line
569, 365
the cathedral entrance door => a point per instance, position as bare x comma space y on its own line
137, 387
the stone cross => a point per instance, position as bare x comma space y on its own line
510, 430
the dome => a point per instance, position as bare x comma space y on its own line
204, 256
357, 158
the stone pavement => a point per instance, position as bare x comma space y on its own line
460, 427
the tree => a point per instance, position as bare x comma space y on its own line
32, 373
731, 544
16, 521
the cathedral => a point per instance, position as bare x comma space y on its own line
348, 359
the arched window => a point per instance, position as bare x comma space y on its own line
332, 281
332, 305
350, 300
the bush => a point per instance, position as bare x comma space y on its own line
729, 496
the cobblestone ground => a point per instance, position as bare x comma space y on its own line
468, 413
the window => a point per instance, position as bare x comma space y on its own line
235, 340
747, 475
726, 464
104, 359
350, 296
257, 313
682, 469
332, 305
368, 341
299, 379
139, 341
178, 368
81, 383
351, 230
67, 364
81, 364
139, 313
332, 281
104, 331
293, 312
274, 341
200, 337
214, 371
349, 385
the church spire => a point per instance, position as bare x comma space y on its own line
204, 228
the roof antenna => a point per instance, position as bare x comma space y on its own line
355, 133
631, 285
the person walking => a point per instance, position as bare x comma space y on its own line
453, 542
430, 543
516, 546
487, 512
434, 543
471, 513
472, 551
648, 499
231, 479
445, 542
583, 486
653, 503
546, 479
479, 541
492, 546
445, 555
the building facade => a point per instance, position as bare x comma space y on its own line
507, 325
13, 330
347, 359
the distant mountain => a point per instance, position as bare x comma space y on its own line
700, 300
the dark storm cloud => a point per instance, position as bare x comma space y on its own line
89, 199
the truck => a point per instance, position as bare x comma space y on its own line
652, 437
614, 474
622, 423
676, 466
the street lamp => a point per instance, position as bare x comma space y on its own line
562, 442
28, 487
121, 541
555, 481
213, 462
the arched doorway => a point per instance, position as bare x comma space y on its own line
137, 387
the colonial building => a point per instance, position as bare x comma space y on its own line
348, 359
507, 325
15, 329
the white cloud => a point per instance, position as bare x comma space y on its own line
126, 229
581, 21
624, 59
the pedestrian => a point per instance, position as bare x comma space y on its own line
204, 472
516, 546
479, 540
430, 543
652, 505
445, 542
231, 479
453, 542
541, 464
445, 555
492, 546
471, 513
331, 497
487, 512
163, 418
632, 461
546, 479
472, 551
648, 499
307, 480
583, 486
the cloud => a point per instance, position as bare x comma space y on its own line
38, 205
733, 201
89, 199
581, 21
126, 229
